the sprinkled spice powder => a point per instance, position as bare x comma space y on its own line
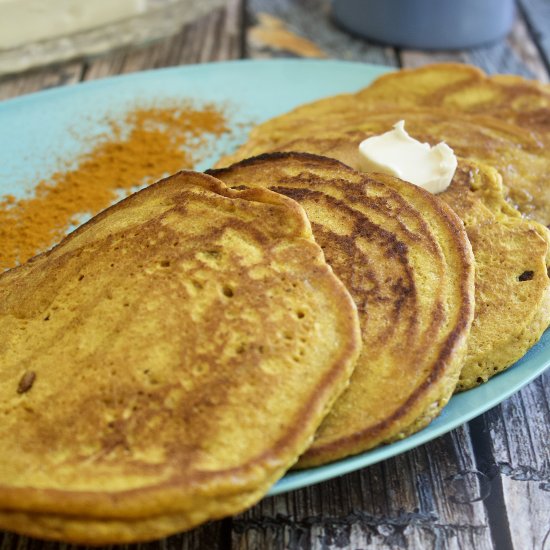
147, 145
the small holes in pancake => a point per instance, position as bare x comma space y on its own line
164, 263
200, 369
300, 314
228, 291
526, 276
480, 380
81, 277
126, 304
47, 318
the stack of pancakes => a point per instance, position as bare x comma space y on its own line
500, 129
174, 356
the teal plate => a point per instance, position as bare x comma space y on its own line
39, 130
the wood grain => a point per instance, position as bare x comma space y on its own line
519, 431
429, 497
527, 51
40, 79
537, 14
311, 19
411, 59
517, 54
506, 56
214, 37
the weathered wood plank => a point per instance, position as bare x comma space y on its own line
517, 54
411, 59
310, 19
214, 37
40, 79
519, 432
537, 14
429, 497
510, 55
523, 44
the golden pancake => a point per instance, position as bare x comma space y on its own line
463, 88
166, 363
454, 87
522, 160
406, 260
512, 254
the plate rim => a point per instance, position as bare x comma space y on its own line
303, 478
381, 453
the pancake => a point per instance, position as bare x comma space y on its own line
512, 288
406, 260
166, 363
519, 156
451, 86
512, 253
467, 89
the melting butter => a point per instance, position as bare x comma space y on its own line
398, 154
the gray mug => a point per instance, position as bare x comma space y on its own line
427, 24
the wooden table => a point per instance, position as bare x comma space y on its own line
483, 486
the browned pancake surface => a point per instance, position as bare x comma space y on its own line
467, 89
512, 309
406, 260
453, 87
166, 363
512, 256
522, 160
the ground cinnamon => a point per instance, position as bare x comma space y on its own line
148, 144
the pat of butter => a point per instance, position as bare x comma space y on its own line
398, 154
